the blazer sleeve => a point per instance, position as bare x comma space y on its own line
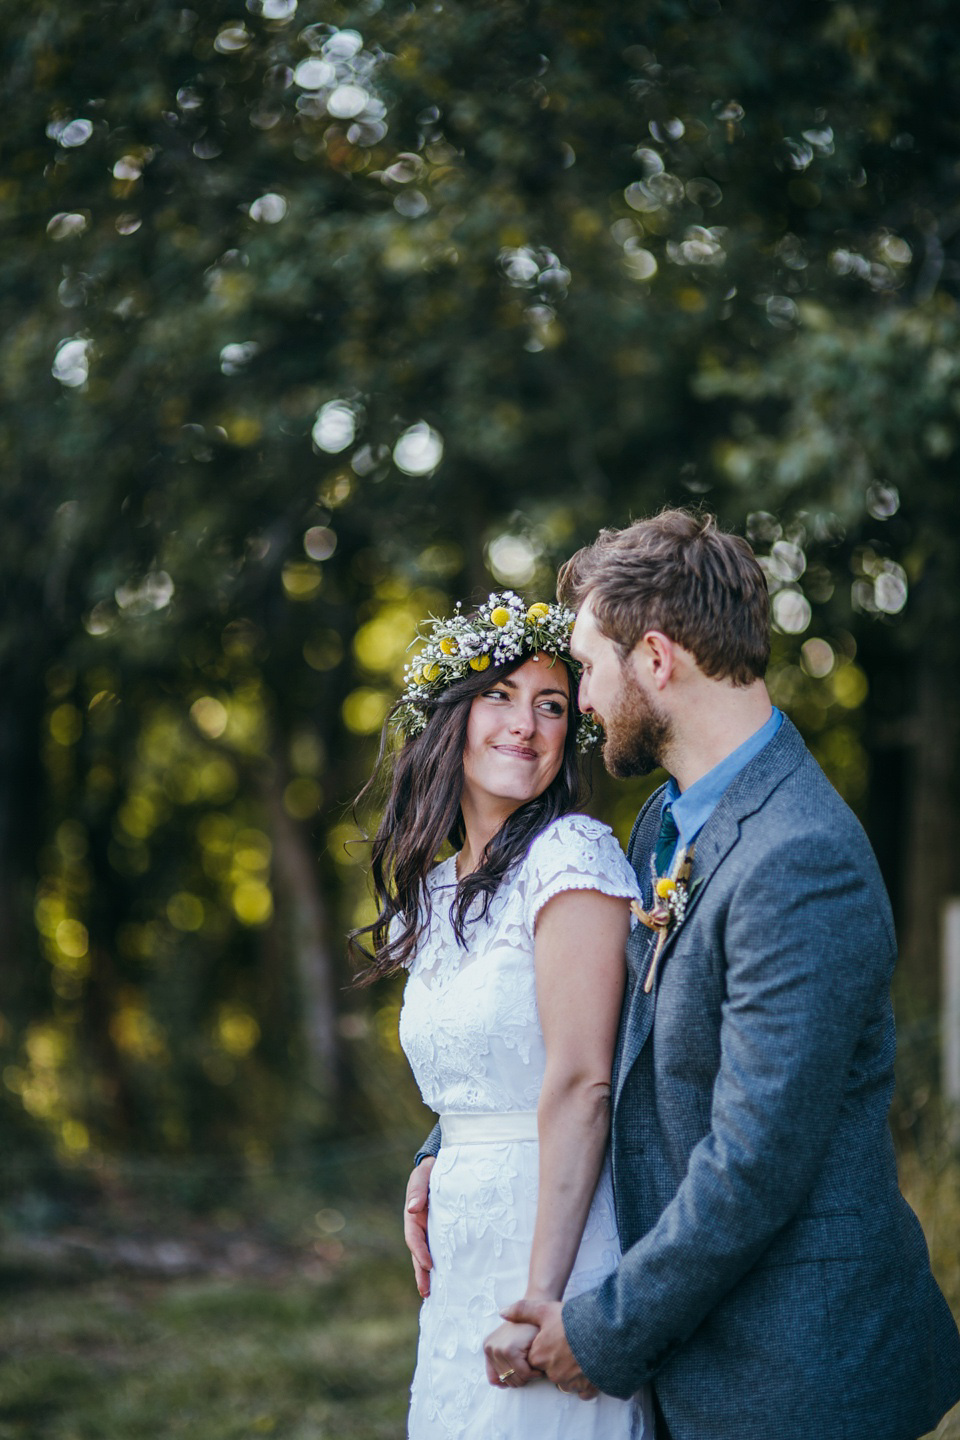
808, 950
430, 1146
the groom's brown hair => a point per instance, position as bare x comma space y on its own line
678, 573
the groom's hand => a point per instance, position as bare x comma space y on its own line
550, 1351
415, 1223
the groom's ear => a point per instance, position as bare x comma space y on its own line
655, 655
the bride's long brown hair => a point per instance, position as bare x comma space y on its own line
422, 811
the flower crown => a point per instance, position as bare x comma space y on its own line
501, 630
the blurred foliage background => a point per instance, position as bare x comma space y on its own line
315, 317
319, 315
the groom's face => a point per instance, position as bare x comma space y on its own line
637, 729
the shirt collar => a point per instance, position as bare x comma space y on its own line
693, 807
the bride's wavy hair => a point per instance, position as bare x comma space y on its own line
422, 812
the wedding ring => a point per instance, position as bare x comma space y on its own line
562, 1391
506, 1375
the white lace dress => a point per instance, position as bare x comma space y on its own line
470, 1030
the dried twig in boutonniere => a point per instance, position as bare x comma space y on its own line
670, 896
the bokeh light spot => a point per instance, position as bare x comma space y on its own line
71, 364
314, 73
66, 223
324, 651
252, 903
890, 589
210, 716
72, 939
301, 798
268, 209
66, 724
75, 134
882, 501
817, 657
791, 611
850, 686
419, 450
512, 559
335, 427
301, 580
346, 101
640, 263
185, 911
74, 1136
237, 1031
319, 542
365, 709
232, 38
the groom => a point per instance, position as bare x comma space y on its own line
773, 1282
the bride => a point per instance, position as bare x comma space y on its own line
514, 951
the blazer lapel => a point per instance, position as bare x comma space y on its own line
746, 794
638, 1007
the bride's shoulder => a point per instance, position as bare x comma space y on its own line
580, 840
576, 852
573, 829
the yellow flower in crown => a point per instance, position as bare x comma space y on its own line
480, 662
538, 613
500, 616
448, 645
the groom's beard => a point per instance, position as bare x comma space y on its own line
637, 733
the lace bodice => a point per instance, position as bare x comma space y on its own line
469, 1024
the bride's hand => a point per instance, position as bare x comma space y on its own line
506, 1356
415, 1223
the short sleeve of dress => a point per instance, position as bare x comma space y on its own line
575, 852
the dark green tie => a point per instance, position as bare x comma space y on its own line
666, 841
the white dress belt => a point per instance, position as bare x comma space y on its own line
466, 1128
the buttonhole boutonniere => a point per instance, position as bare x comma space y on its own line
671, 894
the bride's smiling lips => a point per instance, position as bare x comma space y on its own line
520, 752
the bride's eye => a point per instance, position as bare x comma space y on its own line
495, 695
553, 707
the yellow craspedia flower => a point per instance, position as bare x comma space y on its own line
538, 612
448, 646
431, 671
500, 616
418, 677
665, 887
480, 662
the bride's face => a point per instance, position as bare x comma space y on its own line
516, 735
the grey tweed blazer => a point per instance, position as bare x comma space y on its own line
774, 1282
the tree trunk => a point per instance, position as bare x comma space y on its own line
931, 861
308, 929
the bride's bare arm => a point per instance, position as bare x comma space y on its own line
580, 958
580, 965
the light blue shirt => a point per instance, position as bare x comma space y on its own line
693, 807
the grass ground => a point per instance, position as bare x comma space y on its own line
220, 1329
289, 1321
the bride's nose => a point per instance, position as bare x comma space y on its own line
523, 720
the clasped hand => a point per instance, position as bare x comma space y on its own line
531, 1345
506, 1351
